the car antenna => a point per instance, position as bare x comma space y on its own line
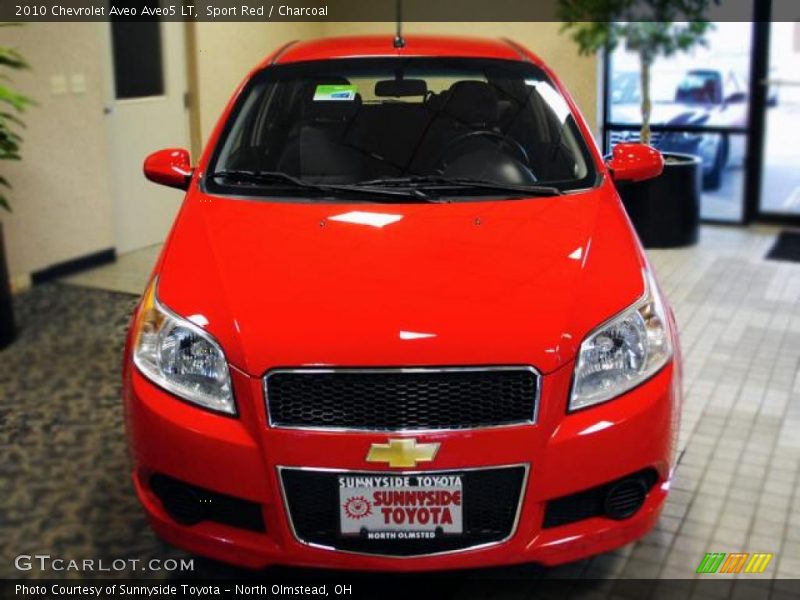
399, 41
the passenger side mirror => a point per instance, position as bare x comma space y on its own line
635, 162
171, 167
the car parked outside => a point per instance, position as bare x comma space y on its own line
707, 97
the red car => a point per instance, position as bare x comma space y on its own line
402, 321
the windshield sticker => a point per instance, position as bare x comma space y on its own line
335, 92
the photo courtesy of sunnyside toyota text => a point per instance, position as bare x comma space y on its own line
400, 299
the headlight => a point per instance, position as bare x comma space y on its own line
623, 352
179, 356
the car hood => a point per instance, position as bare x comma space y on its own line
362, 284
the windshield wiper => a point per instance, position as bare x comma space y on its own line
281, 177
440, 181
261, 177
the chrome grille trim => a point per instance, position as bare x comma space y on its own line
372, 370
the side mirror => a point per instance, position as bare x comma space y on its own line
171, 167
635, 162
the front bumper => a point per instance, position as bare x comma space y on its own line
564, 453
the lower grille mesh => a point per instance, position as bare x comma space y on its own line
594, 502
491, 500
189, 504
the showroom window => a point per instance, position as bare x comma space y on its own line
734, 102
701, 105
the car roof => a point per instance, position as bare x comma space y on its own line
383, 46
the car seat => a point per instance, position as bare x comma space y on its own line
317, 149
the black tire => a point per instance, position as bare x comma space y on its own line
712, 180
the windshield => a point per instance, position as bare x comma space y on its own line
400, 121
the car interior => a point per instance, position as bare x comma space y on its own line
498, 130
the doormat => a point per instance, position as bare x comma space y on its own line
786, 247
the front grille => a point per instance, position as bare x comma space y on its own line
492, 498
398, 399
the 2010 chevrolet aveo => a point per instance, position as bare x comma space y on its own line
402, 322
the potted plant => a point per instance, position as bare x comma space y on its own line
665, 210
12, 103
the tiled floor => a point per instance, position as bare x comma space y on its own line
737, 488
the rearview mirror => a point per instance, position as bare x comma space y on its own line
171, 167
635, 162
399, 88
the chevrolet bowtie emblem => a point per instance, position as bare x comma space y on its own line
402, 452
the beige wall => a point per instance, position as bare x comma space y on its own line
61, 202
578, 73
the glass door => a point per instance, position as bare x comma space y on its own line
779, 197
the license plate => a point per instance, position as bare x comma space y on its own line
384, 506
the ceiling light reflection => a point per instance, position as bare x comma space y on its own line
599, 426
415, 335
373, 219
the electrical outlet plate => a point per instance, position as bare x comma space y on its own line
58, 85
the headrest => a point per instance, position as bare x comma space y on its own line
473, 102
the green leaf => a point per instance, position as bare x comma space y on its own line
10, 140
645, 25
9, 150
13, 118
12, 59
19, 101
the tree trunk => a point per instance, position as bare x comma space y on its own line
647, 106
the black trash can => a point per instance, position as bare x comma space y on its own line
666, 210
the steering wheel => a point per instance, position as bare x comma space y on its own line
497, 137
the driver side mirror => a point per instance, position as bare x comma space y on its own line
171, 167
635, 162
